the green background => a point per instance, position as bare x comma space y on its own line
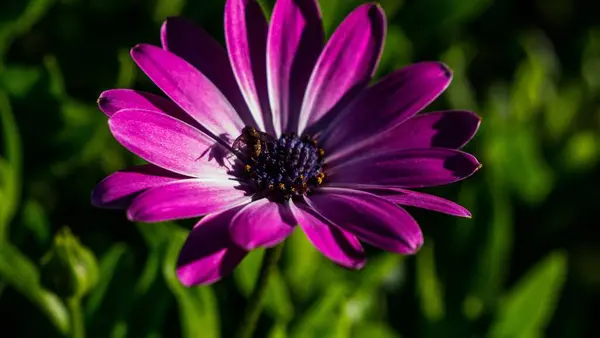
526, 265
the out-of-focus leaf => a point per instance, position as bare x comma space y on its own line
277, 302
106, 270
22, 22
429, 288
278, 331
529, 306
318, 320
590, 64
167, 8
460, 94
302, 262
57, 81
374, 330
198, 305
17, 81
561, 109
397, 52
127, 70
10, 165
35, 219
581, 151
21, 274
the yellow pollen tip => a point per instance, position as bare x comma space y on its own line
292, 189
319, 180
281, 186
321, 152
247, 167
271, 187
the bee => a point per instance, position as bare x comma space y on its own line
252, 141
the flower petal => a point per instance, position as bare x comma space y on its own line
389, 102
189, 88
208, 253
186, 199
246, 38
336, 244
446, 129
120, 188
415, 199
411, 168
261, 224
346, 65
168, 143
113, 100
294, 43
369, 217
196, 46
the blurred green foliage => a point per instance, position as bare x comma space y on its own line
525, 265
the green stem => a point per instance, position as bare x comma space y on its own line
255, 303
77, 324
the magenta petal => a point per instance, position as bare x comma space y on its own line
208, 253
346, 65
189, 88
120, 188
411, 168
294, 43
246, 38
416, 199
336, 244
196, 46
261, 224
390, 101
369, 217
446, 129
186, 199
167, 142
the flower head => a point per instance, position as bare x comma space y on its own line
282, 130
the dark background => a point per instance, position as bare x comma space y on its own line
526, 264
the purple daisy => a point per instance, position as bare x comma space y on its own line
282, 130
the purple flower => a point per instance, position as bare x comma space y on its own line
283, 130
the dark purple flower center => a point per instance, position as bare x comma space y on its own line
280, 168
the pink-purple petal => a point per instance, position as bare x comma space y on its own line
410, 168
335, 243
196, 46
390, 101
370, 218
294, 43
117, 190
168, 143
208, 253
445, 129
186, 199
261, 224
189, 89
246, 38
346, 64
415, 199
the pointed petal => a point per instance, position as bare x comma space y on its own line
389, 102
186, 199
294, 43
120, 188
168, 143
191, 90
336, 244
346, 65
261, 224
415, 199
193, 44
208, 253
369, 217
445, 129
246, 38
411, 168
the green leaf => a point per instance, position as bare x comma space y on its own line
10, 167
429, 288
197, 305
277, 302
25, 19
529, 306
318, 320
36, 220
374, 330
302, 262
106, 270
21, 274
19, 80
